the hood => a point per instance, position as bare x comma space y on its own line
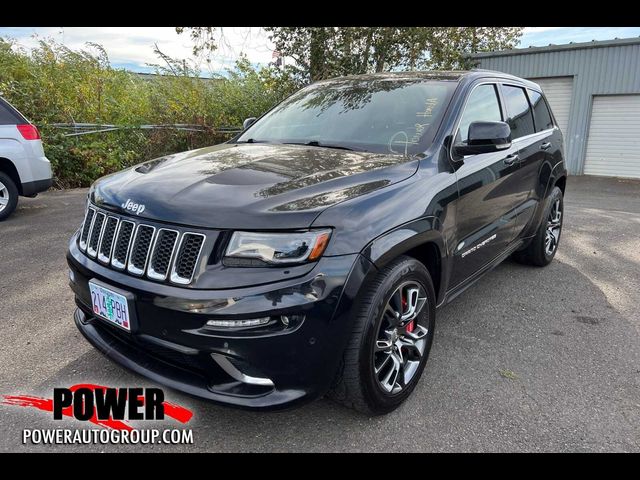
259, 186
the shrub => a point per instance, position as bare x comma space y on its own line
54, 84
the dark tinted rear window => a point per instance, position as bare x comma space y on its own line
519, 114
9, 115
540, 111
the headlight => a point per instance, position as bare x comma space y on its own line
263, 249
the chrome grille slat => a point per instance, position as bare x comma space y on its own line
187, 258
107, 241
123, 243
139, 254
160, 253
95, 234
86, 228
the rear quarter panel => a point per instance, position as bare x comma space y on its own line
12, 149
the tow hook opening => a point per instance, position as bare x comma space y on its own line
240, 372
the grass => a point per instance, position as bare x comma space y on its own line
508, 374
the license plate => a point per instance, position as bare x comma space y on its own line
110, 306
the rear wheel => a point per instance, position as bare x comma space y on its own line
391, 339
8, 196
544, 245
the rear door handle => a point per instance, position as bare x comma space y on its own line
511, 159
545, 146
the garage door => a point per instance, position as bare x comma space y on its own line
558, 92
613, 146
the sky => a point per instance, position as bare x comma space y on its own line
132, 48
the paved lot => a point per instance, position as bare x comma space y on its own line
527, 359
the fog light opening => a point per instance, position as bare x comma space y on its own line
251, 322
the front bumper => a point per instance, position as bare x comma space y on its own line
265, 368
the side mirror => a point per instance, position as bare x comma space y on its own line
248, 122
485, 137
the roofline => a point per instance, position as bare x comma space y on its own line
407, 74
618, 42
454, 75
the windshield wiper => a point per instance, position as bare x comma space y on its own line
315, 143
252, 140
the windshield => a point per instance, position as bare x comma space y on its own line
398, 116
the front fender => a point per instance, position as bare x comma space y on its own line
407, 238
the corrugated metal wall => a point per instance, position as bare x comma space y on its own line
597, 70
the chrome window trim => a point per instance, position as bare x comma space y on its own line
531, 135
496, 83
151, 273
132, 269
174, 277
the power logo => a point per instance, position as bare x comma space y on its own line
114, 403
104, 406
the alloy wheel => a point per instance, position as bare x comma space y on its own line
554, 224
402, 338
4, 196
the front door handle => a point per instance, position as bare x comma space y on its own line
545, 146
511, 159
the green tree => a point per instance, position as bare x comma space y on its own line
204, 38
323, 52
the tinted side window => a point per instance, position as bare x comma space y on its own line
519, 114
482, 106
540, 111
8, 116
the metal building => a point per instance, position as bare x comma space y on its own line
594, 92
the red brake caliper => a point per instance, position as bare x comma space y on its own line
410, 325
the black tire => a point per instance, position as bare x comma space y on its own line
536, 253
8, 193
357, 385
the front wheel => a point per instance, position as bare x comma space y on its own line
390, 341
544, 245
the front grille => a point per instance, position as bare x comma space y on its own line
104, 252
123, 243
96, 232
140, 249
188, 255
86, 228
162, 254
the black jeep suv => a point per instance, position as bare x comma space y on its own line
308, 255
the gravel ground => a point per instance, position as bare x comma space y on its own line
527, 359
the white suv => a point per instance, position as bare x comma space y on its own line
24, 170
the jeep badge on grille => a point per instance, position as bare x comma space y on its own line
136, 208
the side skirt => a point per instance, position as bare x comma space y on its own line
452, 294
